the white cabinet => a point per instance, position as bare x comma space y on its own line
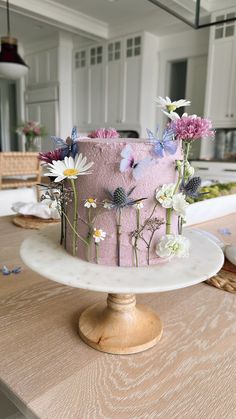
221, 80
43, 67
216, 171
109, 84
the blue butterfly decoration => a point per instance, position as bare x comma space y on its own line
128, 162
70, 145
166, 145
6, 271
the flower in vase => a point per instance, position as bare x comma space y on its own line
179, 204
99, 235
165, 194
69, 168
173, 246
90, 202
189, 128
168, 107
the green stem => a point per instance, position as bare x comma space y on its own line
118, 235
136, 238
168, 220
148, 247
97, 252
75, 218
74, 231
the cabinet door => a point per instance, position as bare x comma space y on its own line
80, 92
47, 114
96, 87
132, 80
220, 80
114, 83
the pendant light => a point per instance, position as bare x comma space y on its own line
12, 65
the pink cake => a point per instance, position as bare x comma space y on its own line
107, 176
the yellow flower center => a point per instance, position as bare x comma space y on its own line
97, 233
171, 108
91, 200
70, 172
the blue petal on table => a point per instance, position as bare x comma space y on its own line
5, 270
225, 231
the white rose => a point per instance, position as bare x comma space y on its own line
171, 245
165, 194
180, 204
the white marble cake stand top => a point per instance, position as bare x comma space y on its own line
43, 254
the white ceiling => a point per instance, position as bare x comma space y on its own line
121, 16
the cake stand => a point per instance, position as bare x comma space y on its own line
119, 326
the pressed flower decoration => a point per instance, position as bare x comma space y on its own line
90, 202
128, 162
98, 235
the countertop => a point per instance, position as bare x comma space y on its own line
49, 373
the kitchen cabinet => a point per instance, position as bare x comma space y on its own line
220, 104
109, 84
222, 172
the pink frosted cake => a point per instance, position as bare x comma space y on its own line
98, 189
122, 202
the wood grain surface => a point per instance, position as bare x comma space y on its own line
50, 373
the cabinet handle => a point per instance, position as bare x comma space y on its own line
227, 115
229, 170
232, 115
202, 168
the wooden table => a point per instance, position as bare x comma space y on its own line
48, 372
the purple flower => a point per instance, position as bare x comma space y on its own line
191, 127
49, 156
104, 133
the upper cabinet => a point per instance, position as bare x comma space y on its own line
221, 80
108, 83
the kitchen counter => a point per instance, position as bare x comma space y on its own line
49, 373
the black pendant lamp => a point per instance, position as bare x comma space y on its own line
12, 66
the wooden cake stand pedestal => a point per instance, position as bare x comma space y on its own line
121, 326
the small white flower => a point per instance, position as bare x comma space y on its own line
189, 170
107, 205
69, 168
165, 194
90, 202
99, 235
179, 204
139, 205
173, 245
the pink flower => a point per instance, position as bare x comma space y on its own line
49, 156
104, 133
191, 127
37, 130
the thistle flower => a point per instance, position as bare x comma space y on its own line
189, 128
104, 133
121, 199
191, 188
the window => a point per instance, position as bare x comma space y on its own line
96, 55
227, 29
114, 51
133, 46
80, 59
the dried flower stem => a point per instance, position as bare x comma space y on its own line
187, 146
75, 218
74, 231
149, 245
137, 237
118, 234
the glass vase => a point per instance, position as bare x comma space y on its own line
32, 144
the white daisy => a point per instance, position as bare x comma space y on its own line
168, 107
69, 168
90, 202
139, 205
107, 205
99, 235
